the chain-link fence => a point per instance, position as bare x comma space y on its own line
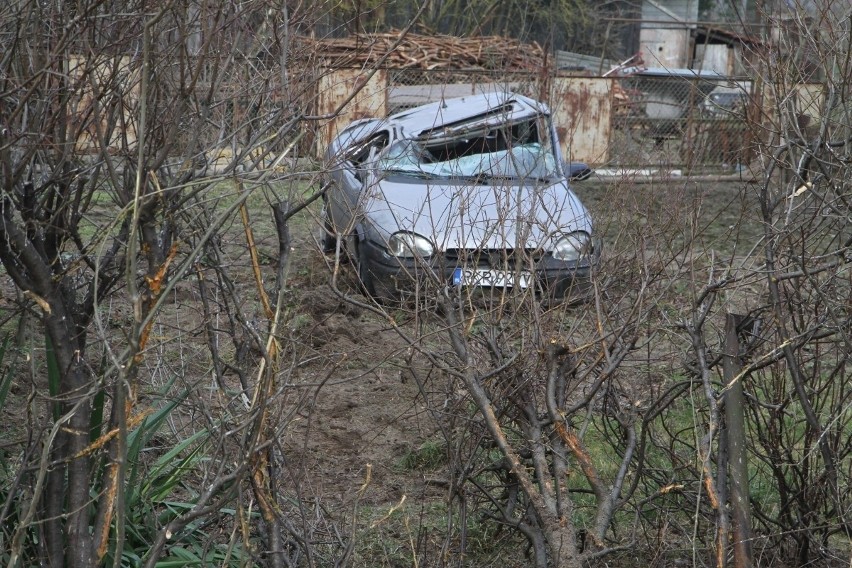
677, 122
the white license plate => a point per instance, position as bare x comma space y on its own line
490, 278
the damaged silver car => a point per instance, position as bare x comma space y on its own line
466, 193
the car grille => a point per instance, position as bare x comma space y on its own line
492, 258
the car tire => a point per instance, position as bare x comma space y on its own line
328, 240
365, 278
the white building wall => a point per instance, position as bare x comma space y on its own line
667, 48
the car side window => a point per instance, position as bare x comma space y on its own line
360, 151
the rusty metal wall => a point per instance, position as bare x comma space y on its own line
804, 102
333, 90
408, 88
84, 72
582, 109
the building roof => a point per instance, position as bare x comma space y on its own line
712, 34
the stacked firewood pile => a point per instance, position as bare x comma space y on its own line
430, 52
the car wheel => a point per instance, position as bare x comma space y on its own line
364, 275
328, 240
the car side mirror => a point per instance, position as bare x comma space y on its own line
577, 171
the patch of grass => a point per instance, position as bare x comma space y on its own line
300, 322
718, 216
430, 455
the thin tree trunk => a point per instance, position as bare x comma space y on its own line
280, 212
73, 393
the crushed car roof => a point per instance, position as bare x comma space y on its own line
416, 121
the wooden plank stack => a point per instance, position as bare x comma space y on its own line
429, 52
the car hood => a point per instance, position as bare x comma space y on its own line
456, 215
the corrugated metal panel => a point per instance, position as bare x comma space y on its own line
333, 90
582, 111
568, 59
715, 57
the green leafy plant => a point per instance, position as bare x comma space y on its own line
159, 491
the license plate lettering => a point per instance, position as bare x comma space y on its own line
487, 278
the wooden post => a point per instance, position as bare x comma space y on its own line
737, 457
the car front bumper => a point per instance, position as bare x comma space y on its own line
394, 277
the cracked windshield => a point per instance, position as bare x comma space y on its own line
519, 150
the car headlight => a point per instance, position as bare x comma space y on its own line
573, 246
409, 245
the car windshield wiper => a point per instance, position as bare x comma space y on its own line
487, 178
419, 174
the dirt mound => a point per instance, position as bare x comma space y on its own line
362, 413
